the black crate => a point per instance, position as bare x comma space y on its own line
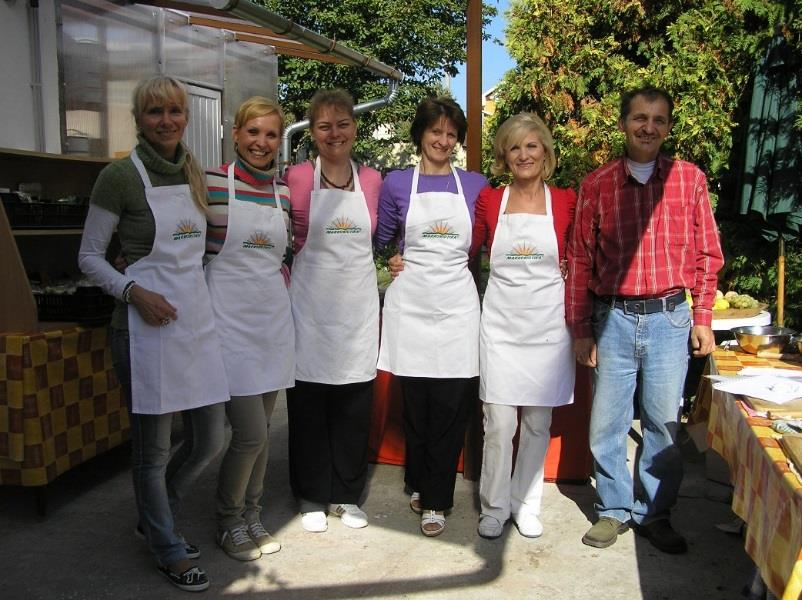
88, 306
44, 215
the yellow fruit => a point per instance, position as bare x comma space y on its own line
719, 294
721, 304
689, 298
730, 295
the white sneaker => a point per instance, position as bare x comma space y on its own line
314, 521
529, 525
350, 514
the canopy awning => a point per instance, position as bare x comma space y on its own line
249, 22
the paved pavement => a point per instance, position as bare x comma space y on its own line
85, 548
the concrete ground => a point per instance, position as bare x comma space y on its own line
85, 548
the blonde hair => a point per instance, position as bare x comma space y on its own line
512, 132
163, 90
255, 107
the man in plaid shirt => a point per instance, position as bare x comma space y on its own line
643, 233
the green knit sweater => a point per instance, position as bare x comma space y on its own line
119, 189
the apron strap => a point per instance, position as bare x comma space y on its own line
316, 176
141, 168
505, 197
416, 174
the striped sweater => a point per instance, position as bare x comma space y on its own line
250, 185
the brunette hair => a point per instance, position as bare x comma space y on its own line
162, 90
337, 98
432, 110
512, 132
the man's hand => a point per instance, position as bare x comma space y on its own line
585, 351
703, 340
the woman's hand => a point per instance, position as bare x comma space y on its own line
396, 265
152, 307
120, 263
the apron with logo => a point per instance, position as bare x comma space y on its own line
250, 299
335, 298
525, 347
178, 366
430, 321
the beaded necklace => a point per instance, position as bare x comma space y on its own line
334, 185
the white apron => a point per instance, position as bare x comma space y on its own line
430, 321
178, 366
525, 347
335, 298
250, 299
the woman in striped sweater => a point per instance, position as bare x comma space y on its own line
247, 247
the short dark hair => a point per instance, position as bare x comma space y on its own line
337, 98
432, 110
651, 93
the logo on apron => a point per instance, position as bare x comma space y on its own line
258, 240
186, 230
441, 230
342, 225
524, 251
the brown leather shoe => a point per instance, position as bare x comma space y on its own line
604, 533
662, 536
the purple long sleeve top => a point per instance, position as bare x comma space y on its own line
394, 199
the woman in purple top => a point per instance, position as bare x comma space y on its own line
430, 323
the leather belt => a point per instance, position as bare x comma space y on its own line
645, 306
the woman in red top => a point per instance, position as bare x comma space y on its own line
525, 353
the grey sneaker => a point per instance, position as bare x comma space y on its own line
490, 527
266, 543
604, 533
238, 544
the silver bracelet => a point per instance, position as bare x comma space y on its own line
126, 295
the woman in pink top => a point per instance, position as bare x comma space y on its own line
335, 307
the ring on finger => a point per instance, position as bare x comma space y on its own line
165, 321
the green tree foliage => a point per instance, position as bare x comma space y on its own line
575, 58
424, 39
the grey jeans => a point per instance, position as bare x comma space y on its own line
242, 472
159, 486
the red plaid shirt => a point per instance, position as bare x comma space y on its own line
642, 241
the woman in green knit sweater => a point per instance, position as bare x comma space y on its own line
165, 348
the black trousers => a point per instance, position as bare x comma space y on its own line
436, 414
329, 427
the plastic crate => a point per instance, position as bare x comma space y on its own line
88, 306
49, 215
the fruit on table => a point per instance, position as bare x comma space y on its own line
733, 300
721, 304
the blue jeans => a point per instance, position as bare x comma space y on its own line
157, 495
650, 352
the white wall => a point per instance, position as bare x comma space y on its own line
16, 95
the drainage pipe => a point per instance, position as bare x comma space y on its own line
290, 130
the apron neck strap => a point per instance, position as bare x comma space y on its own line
505, 197
141, 168
232, 192
416, 176
318, 169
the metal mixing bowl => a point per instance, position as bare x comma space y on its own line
762, 338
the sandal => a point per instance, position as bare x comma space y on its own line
432, 523
414, 503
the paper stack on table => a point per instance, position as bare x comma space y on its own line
779, 386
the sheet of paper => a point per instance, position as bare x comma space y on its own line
752, 371
778, 390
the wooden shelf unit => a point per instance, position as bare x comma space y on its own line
38, 250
